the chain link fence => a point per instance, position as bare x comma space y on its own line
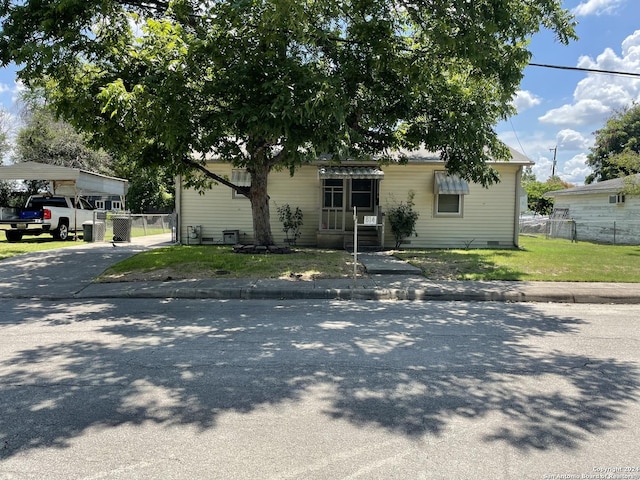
122, 226
598, 231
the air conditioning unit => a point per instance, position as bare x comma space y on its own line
231, 237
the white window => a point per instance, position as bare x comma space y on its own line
333, 193
617, 199
449, 193
116, 205
449, 204
99, 204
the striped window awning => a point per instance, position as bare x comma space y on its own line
338, 171
241, 178
446, 184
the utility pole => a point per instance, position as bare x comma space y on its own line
553, 168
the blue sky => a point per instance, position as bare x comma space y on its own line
556, 108
563, 109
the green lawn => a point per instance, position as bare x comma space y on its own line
539, 259
200, 261
30, 244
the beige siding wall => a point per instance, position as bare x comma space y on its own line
216, 210
488, 216
488, 213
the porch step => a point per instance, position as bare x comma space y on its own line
367, 241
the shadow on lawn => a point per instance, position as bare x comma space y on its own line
409, 369
449, 265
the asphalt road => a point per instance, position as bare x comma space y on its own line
177, 389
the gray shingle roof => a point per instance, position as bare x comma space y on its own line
608, 186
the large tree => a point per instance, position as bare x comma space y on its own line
616, 152
536, 201
270, 84
42, 138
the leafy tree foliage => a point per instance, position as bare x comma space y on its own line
151, 189
536, 200
44, 139
269, 84
616, 152
4, 134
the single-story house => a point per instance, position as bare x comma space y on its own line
453, 213
598, 212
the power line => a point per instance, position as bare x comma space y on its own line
589, 70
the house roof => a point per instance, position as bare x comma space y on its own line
420, 155
613, 186
426, 156
80, 181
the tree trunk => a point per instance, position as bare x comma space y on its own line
260, 204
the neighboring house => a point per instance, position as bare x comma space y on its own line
453, 212
107, 202
598, 212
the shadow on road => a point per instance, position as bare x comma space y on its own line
411, 370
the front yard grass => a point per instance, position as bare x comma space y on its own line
30, 244
218, 261
538, 259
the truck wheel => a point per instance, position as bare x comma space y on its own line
62, 232
13, 236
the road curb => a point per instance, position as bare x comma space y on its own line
360, 294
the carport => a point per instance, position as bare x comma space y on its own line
66, 181
71, 182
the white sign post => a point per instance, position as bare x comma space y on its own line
355, 246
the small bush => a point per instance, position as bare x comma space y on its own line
402, 218
291, 222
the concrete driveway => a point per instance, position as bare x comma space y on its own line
64, 272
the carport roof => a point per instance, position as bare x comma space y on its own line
82, 181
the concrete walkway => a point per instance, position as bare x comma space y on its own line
69, 273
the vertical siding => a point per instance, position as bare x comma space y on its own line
488, 213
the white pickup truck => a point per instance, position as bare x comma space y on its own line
54, 214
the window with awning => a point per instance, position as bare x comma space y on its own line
241, 178
446, 184
449, 191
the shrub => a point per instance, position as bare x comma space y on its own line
402, 218
291, 222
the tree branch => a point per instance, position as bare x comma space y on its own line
217, 178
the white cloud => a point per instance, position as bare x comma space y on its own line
542, 169
584, 112
568, 139
597, 96
575, 170
524, 100
597, 7
4, 88
17, 89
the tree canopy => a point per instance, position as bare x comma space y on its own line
536, 201
270, 84
4, 133
616, 152
44, 139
